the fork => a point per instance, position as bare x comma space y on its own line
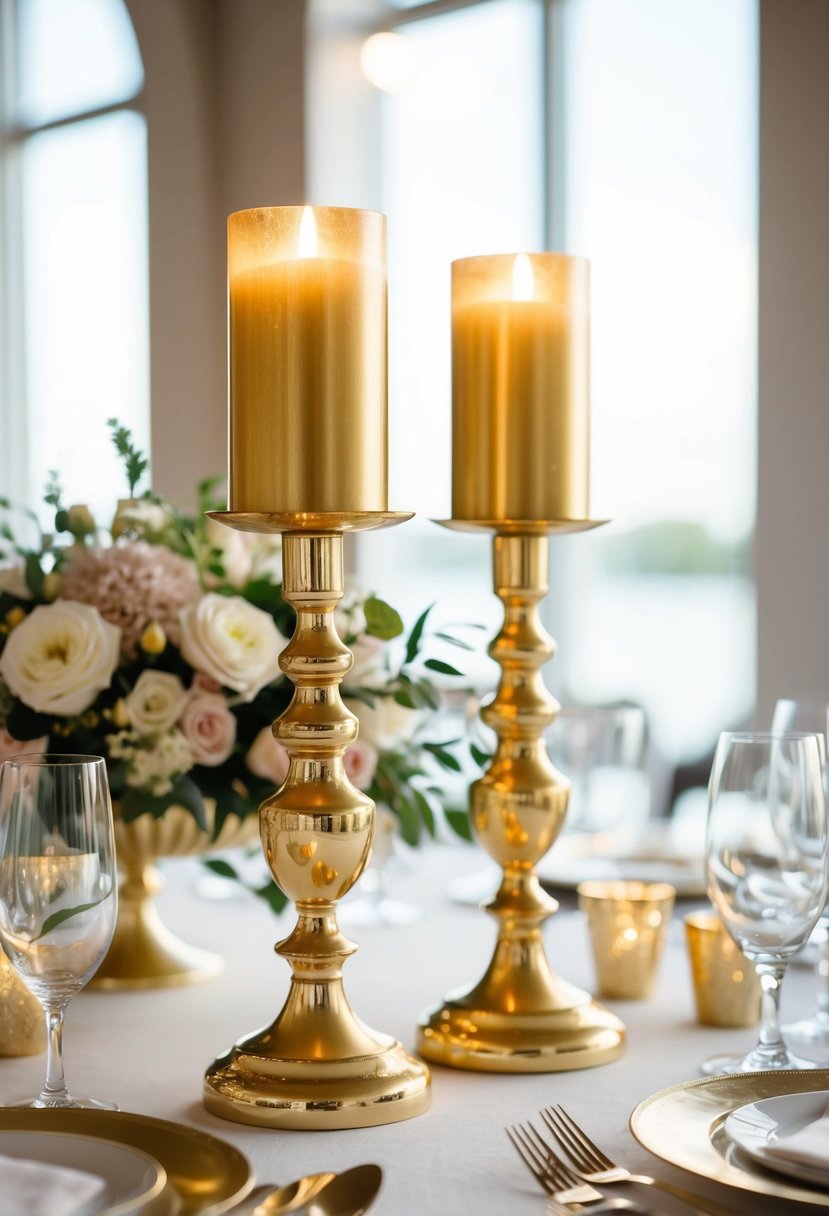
591, 1165
566, 1192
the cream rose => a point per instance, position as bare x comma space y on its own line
234, 551
61, 657
156, 702
360, 763
209, 728
9, 746
267, 757
234, 642
387, 725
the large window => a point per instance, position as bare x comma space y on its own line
74, 234
625, 131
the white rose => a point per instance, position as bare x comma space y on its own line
61, 657
13, 578
387, 725
235, 551
156, 702
234, 642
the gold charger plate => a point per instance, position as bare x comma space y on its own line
684, 1126
207, 1175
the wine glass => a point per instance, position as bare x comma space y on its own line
767, 848
811, 1034
58, 889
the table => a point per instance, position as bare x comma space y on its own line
147, 1051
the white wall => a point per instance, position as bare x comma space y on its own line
792, 546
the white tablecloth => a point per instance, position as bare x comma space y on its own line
147, 1051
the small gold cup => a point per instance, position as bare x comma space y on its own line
628, 923
726, 987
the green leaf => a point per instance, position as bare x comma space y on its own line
426, 812
445, 669
405, 699
453, 641
34, 575
480, 757
223, 868
26, 724
273, 896
444, 758
413, 642
459, 823
135, 803
408, 817
57, 918
382, 621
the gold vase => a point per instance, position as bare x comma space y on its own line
22, 1028
144, 952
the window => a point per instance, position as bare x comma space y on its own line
651, 110
73, 170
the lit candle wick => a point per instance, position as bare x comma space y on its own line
523, 283
307, 243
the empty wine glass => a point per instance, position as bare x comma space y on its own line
58, 890
767, 846
811, 1034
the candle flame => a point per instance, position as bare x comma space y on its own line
523, 282
307, 243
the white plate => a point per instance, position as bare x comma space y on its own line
133, 1178
578, 857
755, 1126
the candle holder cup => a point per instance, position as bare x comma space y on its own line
520, 1017
316, 1065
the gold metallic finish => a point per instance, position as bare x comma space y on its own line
144, 953
726, 986
317, 1065
520, 1017
203, 1174
520, 387
309, 521
628, 923
22, 1030
522, 527
307, 343
684, 1126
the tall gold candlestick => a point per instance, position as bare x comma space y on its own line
308, 459
520, 470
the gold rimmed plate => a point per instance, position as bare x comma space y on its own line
684, 1125
206, 1175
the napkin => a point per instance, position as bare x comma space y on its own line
33, 1188
809, 1146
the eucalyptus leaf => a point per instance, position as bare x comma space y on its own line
413, 642
382, 621
445, 669
58, 918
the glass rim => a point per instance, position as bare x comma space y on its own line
54, 759
762, 736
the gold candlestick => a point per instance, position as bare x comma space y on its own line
317, 1065
520, 462
520, 1017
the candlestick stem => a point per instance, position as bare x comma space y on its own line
317, 1065
520, 1017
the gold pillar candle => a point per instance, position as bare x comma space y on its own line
628, 923
726, 986
307, 343
520, 387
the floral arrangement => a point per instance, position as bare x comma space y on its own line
157, 647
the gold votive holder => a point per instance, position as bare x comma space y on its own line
22, 1030
628, 924
726, 987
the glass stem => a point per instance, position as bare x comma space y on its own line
54, 1091
823, 975
770, 1041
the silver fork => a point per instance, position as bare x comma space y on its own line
559, 1182
591, 1165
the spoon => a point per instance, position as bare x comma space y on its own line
348, 1194
273, 1201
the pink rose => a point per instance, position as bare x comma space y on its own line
203, 683
9, 746
360, 762
209, 728
267, 757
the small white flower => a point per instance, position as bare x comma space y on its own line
234, 642
156, 703
61, 657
